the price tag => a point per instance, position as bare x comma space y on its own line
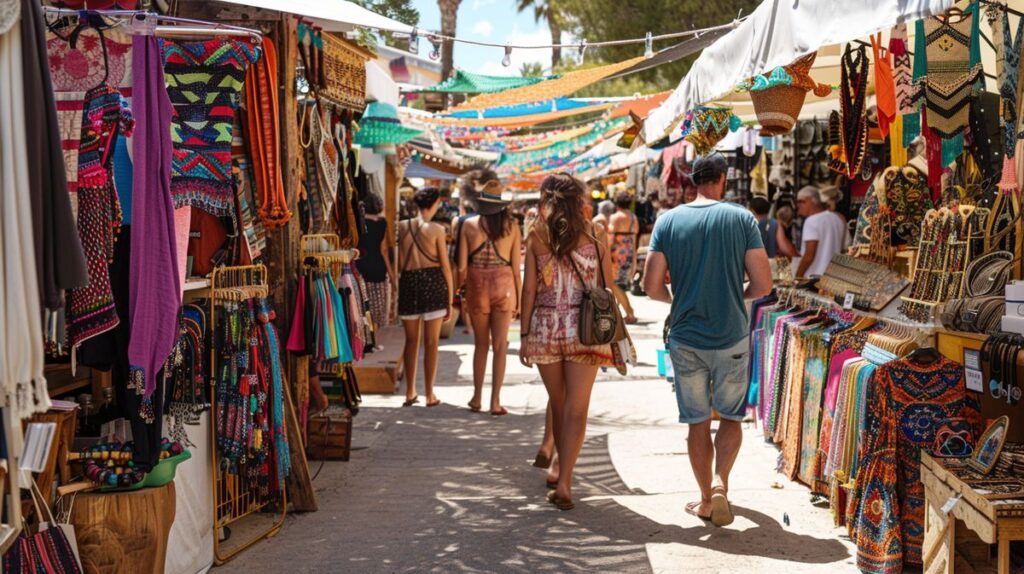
972, 359
849, 300
974, 380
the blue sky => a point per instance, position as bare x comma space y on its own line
493, 21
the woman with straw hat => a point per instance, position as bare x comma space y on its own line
488, 264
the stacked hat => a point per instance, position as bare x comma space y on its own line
381, 129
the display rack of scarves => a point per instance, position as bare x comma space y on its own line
248, 390
320, 325
185, 376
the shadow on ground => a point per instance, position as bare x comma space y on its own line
443, 490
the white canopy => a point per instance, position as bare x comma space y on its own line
332, 15
379, 85
778, 32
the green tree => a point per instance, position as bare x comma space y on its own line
547, 10
400, 10
531, 70
614, 20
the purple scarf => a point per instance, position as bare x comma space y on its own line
154, 288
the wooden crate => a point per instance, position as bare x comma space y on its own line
377, 373
330, 436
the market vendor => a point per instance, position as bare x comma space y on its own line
824, 233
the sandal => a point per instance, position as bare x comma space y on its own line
692, 508
551, 484
560, 503
721, 510
500, 412
433, 403
473, 409
411, 402
542, 461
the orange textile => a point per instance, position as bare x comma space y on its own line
640, 106
262, 133
885, 85
548, 89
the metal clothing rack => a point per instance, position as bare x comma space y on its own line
809, 299
233, 499
148, 23
323, 251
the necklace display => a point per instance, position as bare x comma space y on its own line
113, 464
942, 260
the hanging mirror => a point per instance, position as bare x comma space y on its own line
986, 452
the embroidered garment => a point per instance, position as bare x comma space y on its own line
904, 203
154, 295
91, 309
204, 80
907, 405
75, 71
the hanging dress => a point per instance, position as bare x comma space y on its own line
105, 115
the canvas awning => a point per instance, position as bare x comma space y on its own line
778, 32
464, 82
331, 15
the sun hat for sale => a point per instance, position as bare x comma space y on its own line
380, 128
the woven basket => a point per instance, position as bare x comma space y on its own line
778, 108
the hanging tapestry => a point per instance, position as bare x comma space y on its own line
204, 80
345, 73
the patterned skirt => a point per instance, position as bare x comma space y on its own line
379, 293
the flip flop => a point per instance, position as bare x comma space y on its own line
473, 409
433, 403
411, 402
721, 510
631, 320
499, 413
560, 503
551, 485
542, 461
691, 508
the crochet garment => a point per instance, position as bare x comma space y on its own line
204, 80
907, 404
105, 116
854, 121
952, 74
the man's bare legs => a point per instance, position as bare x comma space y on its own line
722, 452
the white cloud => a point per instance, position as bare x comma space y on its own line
483, 28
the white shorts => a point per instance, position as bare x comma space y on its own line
425, 316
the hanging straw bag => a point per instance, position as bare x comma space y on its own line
779, 97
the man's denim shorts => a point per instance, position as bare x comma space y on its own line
710, 378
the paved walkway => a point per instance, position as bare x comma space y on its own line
445, 490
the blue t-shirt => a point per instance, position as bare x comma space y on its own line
706, 246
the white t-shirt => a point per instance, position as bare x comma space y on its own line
829, 230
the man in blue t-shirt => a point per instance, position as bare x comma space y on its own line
706, 247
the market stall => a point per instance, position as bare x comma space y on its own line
878, 375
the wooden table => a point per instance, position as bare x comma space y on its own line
994, 521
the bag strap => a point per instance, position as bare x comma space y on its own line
600, 265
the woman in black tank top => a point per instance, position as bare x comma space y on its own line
424, 292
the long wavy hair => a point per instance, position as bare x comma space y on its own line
561, 207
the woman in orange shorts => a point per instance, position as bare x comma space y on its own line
489, 263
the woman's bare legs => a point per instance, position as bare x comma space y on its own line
623, 300
499, 324
547, 444
409, 356
482, 346
570, 417
431, 346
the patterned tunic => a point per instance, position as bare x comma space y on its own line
906, 406
204, 80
